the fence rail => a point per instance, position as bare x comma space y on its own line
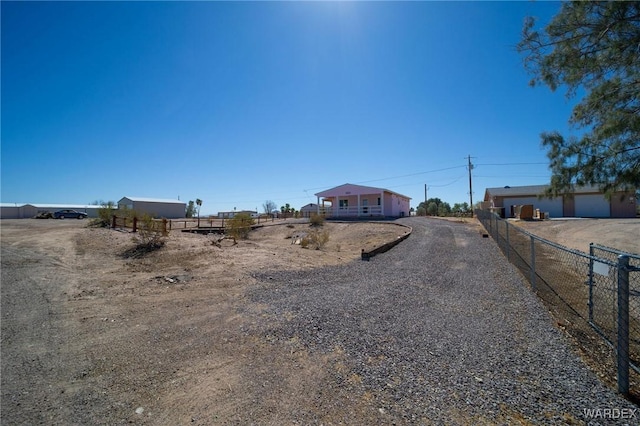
157, 225
600, 288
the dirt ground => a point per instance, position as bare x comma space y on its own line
622, 234
90, 336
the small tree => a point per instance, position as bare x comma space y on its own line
191, 209
239, 225
591, 49
199, 203
269, 207
105, 213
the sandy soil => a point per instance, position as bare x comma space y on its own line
622, 234
90, 336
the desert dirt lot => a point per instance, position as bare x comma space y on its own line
90, 336
622, 234
93, 336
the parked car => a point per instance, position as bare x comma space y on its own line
67, 214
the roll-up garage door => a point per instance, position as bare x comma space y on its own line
592, 205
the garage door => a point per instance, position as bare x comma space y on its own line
553, 206
592, 205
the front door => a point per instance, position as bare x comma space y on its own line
365, 206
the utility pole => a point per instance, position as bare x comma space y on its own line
425, 199
470, 186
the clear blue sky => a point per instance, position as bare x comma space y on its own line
236, 103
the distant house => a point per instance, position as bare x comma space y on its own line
587, 201
231, 214
308, 210
156, 207
353, 201
26, 210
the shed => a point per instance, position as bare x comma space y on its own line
156, 207
308, 210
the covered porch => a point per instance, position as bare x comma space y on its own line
356, 201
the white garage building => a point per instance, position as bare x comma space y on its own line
27, 210
587, 201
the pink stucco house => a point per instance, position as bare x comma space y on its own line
353, 201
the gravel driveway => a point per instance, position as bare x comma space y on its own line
440, 330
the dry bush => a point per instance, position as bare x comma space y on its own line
315, 239
316, 220
239, 226
150, 236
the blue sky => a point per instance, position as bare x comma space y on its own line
237, 103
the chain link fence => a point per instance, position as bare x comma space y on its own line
580, 289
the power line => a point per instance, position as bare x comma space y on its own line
509, 164
395, 177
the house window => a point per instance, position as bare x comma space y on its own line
344, 204
379, 200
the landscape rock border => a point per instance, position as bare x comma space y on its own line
366, 255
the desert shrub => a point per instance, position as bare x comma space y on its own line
150, 236
316, 220
239, 225
105, 213
315, 239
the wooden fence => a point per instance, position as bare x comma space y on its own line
159, 225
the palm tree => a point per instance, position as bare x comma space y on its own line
199, 203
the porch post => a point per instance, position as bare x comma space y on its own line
359, 205
382, 203
318, 204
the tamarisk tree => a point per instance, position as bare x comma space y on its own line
591, 49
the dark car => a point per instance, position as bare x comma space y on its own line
65, 214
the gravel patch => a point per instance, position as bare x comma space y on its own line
439, 330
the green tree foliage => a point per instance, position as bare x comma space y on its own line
286, 210
591, 48
434, 207
191, 209
460, 208
239, 225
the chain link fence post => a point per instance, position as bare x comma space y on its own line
533, 264
506, 224
590, 302
623, 324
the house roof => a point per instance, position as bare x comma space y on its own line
531, 190
351, 189
153, 200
